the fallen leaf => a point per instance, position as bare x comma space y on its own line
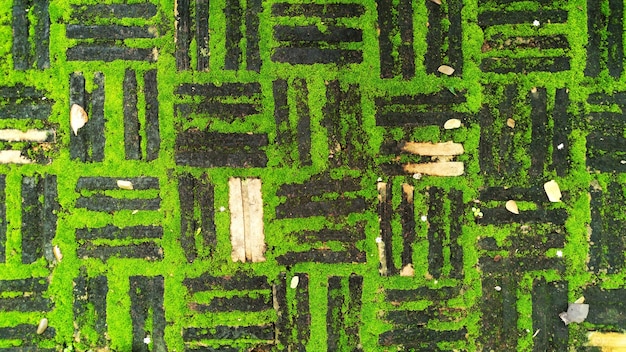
446, 70
511, 206
78, 118
43, 325
407, 270
553, 191
452, 124
124, 184
57, 253
510, 123
294, 281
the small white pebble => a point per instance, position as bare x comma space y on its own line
498, 288
536, 23
147, 340
379, 239
423, 218
417, 176
222, 209
560, 146
380, 179
622, 162
559, 253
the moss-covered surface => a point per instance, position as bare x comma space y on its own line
316, 99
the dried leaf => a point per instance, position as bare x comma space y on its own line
294, 281
43, 325
124, 184
553, 191
510, 122
446, 70
407, 270
57, 253
78, 118
452, 124
511, 206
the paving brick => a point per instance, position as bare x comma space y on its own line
604, 149
108, 241
548, 299
146, 297
605, 49
342, 315
23, 43
87, 24
391, 22
545, 53
411, 327
606, 252
248, 295
302, 44
196, 195
444, 27
88, 144
499, 144
90, 295
39, 219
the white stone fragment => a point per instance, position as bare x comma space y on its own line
576, 313
560, 146
536, 23
424, 218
